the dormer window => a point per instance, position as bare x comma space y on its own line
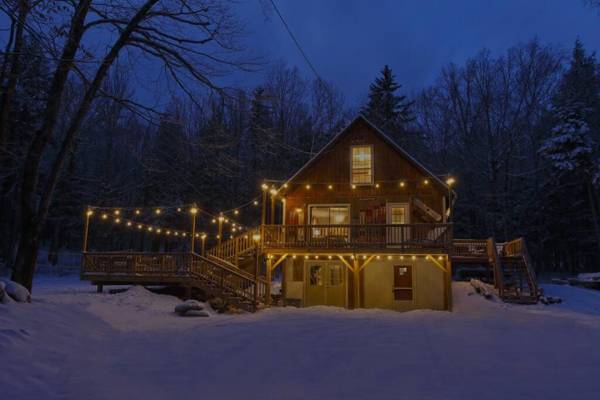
362, 165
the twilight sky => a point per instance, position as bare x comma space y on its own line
349, 41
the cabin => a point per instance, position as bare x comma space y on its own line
362, 224
366, 226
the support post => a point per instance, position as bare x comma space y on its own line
203, 238
272, 216
449, 284
194, 211
256, 265
220, 230
263, 213
356, 283
284, 282
268, 279
99, 288
88, 214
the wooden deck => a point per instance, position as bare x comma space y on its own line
186, 269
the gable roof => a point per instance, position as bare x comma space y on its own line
386, 138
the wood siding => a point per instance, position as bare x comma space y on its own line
333, 167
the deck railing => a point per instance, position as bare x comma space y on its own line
166, 267
393, 237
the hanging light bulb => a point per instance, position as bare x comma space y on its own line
117, 220
140, 226
104, 216
158, 211
184, 234
307, 187
150, 229
255, 202
236, 212
402, 184
128, 223
158, 230
377, 185
137, 212
426, 182
89, 213
168, 232
264, 186
330, 187
178, 209
117, 212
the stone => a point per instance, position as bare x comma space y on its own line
187, 306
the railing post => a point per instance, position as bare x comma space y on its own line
268, 279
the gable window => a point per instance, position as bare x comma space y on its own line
362, 165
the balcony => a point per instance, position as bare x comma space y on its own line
389, 238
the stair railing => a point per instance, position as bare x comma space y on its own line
494, 260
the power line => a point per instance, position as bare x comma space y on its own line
296, 42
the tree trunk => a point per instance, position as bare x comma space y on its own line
590, 191
24, 266
13, 76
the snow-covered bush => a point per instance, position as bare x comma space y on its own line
15, 291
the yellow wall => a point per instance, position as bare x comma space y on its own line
295, 290
428, 285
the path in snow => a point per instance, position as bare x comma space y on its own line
72, 343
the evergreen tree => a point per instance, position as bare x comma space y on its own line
572, 154
385, 107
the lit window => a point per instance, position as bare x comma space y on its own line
362, 165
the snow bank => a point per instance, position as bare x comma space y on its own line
590, 277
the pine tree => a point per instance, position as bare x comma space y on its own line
572, 153
385, 107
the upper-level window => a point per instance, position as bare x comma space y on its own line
362, 165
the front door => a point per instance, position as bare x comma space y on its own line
397, 214
325, 283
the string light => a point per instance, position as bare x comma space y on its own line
330, 187
306, 257
89, 213
285, 185
273, 192
184, 234
203, 236
158, 230
158, 211
353, 186
193, 210
150, 229
402, 184
264, 186
255, 202
168, 232
450, 181
104, 216
176, 233
214, 221
178, 209
377, 185
426, 181
139, 226
414, 257
137, 212
128, 223
117, 220
307, 187
236, 212
117, 212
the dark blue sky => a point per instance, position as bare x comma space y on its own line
349, 41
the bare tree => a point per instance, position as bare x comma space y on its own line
193, 40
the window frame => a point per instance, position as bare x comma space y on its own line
372, 165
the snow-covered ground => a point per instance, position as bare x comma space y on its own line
72, 343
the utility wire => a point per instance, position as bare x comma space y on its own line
296, 42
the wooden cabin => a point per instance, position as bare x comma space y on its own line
364, 225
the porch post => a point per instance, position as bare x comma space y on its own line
268, 279
448, 284
356, 283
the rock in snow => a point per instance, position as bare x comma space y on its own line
191, 308
16, 291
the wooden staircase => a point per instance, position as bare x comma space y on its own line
513, 273
224, 279
210, 274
